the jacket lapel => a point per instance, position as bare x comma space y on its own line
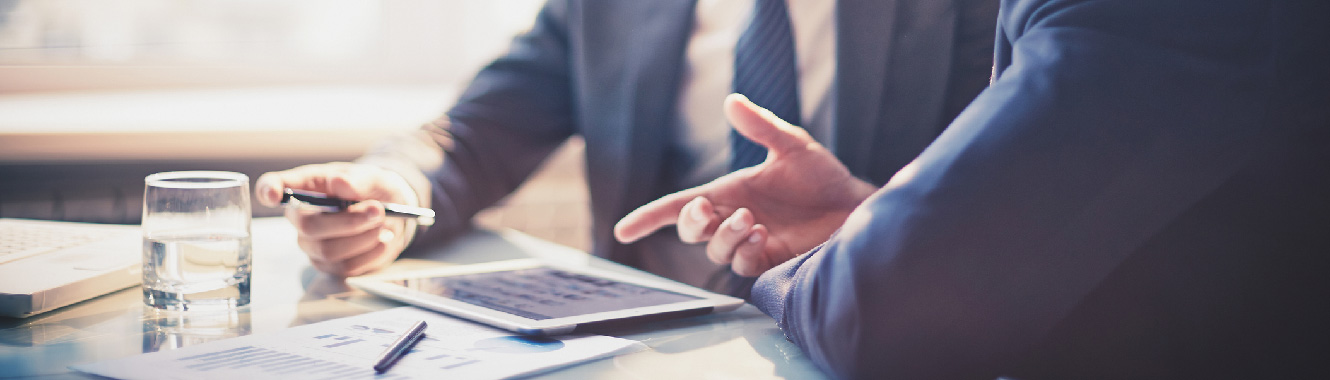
654, 64
896, 62
863, 41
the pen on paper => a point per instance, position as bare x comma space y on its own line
399, 347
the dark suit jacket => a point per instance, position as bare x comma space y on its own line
1142, 192
609, 71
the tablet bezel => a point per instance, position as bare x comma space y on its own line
381, 285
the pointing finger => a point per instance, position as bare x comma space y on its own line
653, 216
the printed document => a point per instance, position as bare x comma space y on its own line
347, 348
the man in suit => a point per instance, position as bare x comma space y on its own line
1142, 192
641, 82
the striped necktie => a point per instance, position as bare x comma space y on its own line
765, 72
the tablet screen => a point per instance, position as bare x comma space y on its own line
543, 293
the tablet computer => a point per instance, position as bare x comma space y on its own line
534, 297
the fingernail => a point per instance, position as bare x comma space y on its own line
386, 235
754, 238
696, 210
265, 193
375, 210
739, 223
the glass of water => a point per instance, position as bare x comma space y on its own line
196, 241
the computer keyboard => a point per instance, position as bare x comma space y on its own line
21, 239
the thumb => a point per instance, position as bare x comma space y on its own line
763, 127
653, 216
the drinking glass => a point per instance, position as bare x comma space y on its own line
196, 240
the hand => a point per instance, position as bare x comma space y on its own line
350, 243
759, 217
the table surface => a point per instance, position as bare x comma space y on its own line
288, 292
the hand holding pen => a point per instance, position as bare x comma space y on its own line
324, 203
359, 227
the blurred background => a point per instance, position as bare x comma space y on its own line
97, 94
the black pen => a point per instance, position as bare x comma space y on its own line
400, 347
326, 203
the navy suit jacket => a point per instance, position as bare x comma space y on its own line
1142, 192
609, 71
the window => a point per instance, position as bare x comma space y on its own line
51, 45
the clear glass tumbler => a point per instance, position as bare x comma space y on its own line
196, 240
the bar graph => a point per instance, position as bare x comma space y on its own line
342, 340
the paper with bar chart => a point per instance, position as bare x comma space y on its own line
346, 348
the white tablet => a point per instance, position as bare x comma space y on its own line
533, 297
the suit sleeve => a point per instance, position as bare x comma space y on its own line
515, 112
1111, 118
